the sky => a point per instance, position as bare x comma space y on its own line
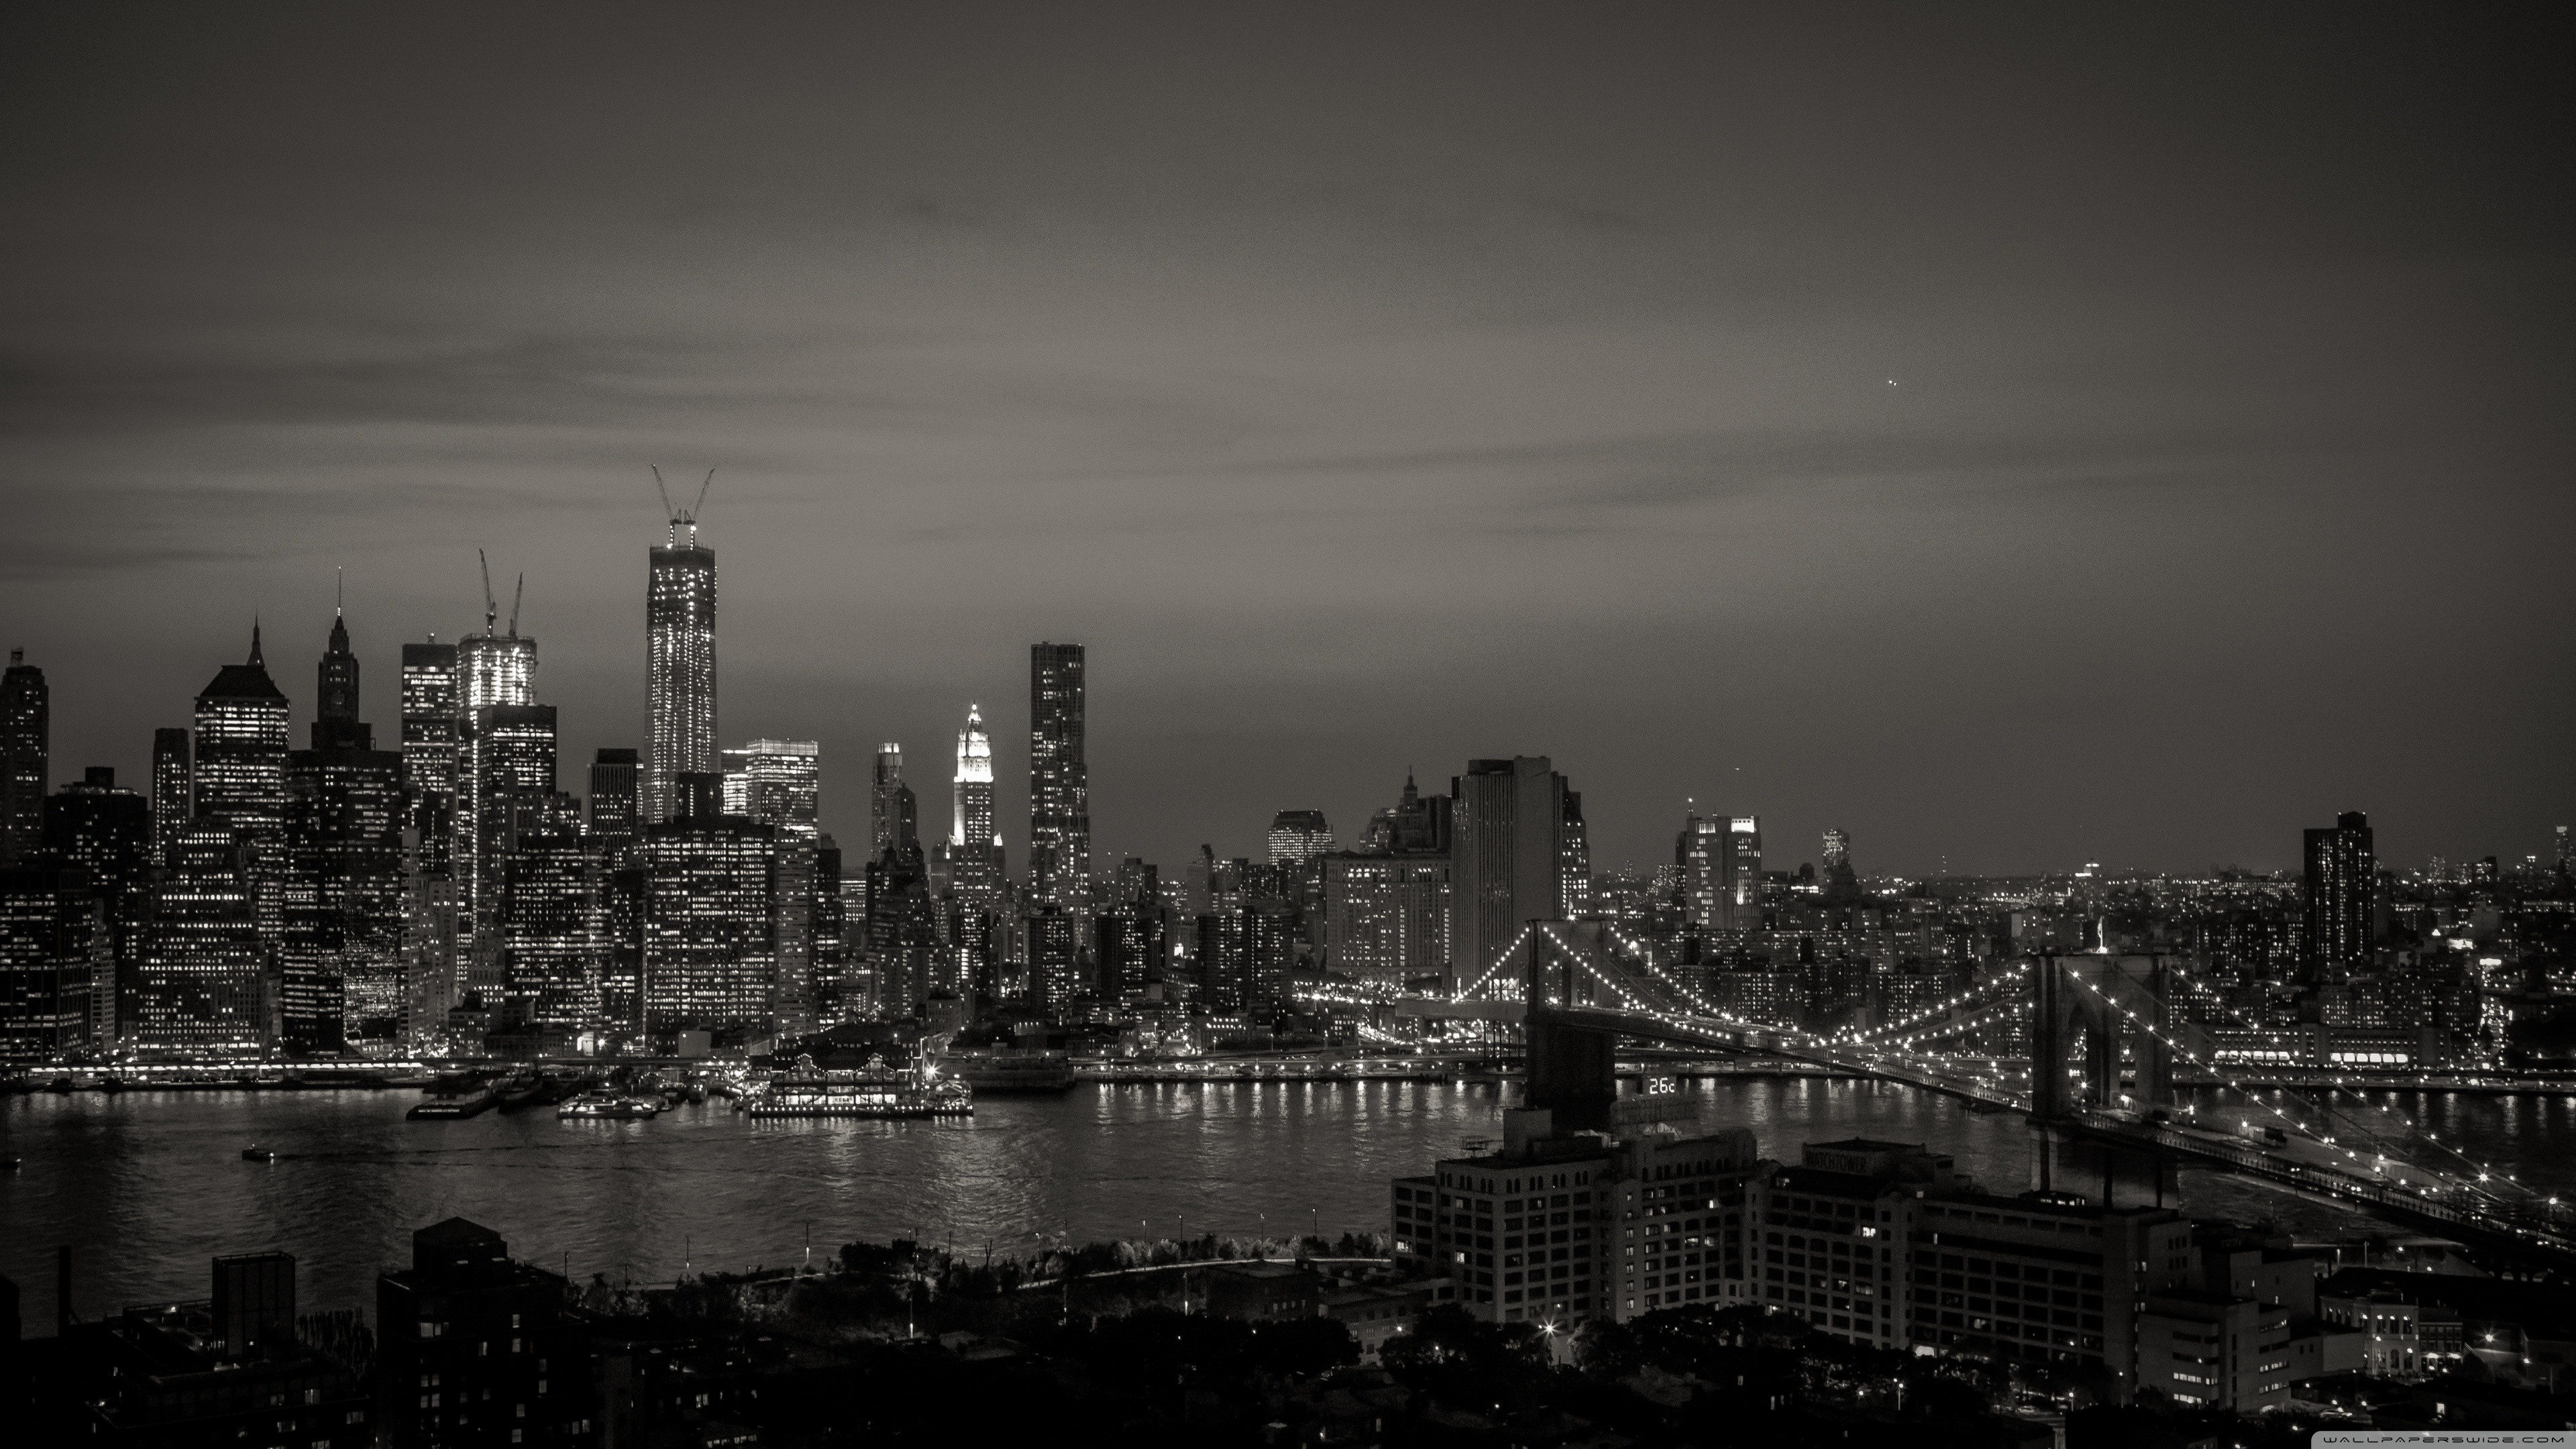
2016, 436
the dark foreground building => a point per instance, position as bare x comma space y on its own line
472, 1348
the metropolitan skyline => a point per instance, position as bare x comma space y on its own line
2015, 446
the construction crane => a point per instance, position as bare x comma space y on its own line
491, 610
521, 592
676, 515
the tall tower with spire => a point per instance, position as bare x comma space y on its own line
679, 657
241, 777
974, 847
335, 688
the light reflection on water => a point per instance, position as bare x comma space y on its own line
147, 1187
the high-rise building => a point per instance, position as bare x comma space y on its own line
1299, 837
107, 832
550, 957
1059, 779
198, 986
616, 806
1507, 843
2340, 882
1742, 875
56, 954
433, 709
709, 950
1386, 906
1837, 849
341, 947
679, 663
1574, 860
26, 730
1699, 853
510, 754
891, 811
973, 850
782, 789
241, 779
173, 798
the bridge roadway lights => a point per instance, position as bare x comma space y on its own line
1571, 1073
2068, 1157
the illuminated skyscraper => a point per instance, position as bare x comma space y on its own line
1743, 873
341, 953
1837, 849
25, 736
241, 778
2340, 883
55, 955
550, 961
1059, 780
616, 806
1700, 855
782, 789
708, 951
510, 756
974, 847
679, 664
433, 705
173, 799
198, 986
1299, 837
495, 669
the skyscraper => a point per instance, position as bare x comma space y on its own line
679, 663
1299, 837
550, 964
782, 789
198, 986
25, 734
55, 955
892, 812
616, 807
173, 798
433, 703
1700, 854
708, 949
510, 756
2339, 884
974, 847
341, 953
241, 778
1743, 873
1507, 836
1059, 780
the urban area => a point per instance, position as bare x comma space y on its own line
437, 915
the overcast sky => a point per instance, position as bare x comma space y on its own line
2016, 437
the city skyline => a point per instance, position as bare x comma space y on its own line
1935, 420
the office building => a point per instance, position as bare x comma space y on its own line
679, 664
616, 804
973, 851
2339, 889
103, 828
893, 816
1299, 837
782, 789
1386, 917
709, 952
1699, 853
26, 733
198, 985
1837, 852
1507, 837
174, 804
1059, 778
340, 956
472, 1348
57, 960
433, 711
550, 961
240, 779
509, 755
1574, 861
1741, 873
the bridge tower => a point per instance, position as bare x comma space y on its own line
2089, 1020
1571, 1071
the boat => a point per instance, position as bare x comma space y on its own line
875, 1090
60, 1086
1001, 1071
463, 1096
529, 1090
258, 1154
606, 1104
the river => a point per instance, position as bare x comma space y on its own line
146, 1187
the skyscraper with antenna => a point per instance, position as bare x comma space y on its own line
679, 655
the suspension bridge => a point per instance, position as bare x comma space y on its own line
2096, 1082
